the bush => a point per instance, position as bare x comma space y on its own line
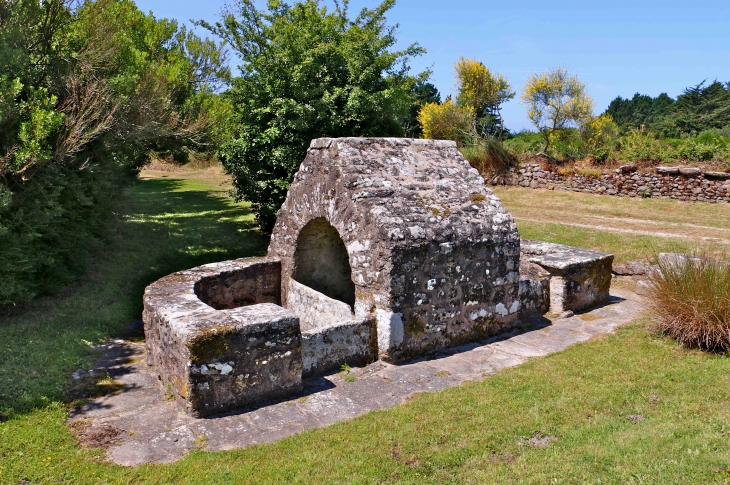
447, 121
690, 299
307, 72
525, 142
87, 90
639, 146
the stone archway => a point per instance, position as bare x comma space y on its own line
321, 262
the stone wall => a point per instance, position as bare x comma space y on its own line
315, 309
689, 184
326, 348
213, 360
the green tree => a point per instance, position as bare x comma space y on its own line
423, 93
87, 90
307, 72
556, 101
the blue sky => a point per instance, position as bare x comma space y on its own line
616, 48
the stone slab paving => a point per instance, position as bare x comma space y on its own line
139, 425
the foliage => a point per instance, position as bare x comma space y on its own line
447, 121
422, 94
525, 142
600, 136
699, 108
556, 101
639, 111
690, 299
485, 92
488, 155
86, 91
306, 73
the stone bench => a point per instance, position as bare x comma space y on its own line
579, 278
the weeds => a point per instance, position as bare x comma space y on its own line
690, 298
488, 156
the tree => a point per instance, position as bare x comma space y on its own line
556, 101
307, 72
641, 110
423, 93
87, 90
483, 91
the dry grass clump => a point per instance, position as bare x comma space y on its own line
690, 298
488, 156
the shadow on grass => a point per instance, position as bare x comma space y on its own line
162, 226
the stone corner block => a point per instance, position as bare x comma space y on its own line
579, 278
214, 360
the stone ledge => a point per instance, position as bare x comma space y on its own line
580, 278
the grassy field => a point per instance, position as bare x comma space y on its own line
628, 408
630, 228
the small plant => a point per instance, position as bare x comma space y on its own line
346, 369
646, 192
169, 394
201, 440
690, 299
566, 171
589, 172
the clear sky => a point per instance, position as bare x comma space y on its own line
617, 48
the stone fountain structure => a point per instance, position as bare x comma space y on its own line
385, 248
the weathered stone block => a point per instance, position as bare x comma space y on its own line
327, 347
534, 289
579, 278
315, 309
215, 360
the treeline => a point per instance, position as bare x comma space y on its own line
87, 92
699, 108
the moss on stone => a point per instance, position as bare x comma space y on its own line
416, 325
210, 343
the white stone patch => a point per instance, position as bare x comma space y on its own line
417, 232
501, 309
430, 284
357, 246
515, 306
390, 329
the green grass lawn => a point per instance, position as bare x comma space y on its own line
552, 216
581, 399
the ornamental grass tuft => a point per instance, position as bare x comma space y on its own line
690, 299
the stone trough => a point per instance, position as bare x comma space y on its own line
386, 249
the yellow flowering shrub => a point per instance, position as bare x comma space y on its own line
555, 101
478, 87
446, 121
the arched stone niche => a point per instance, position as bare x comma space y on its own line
321, 261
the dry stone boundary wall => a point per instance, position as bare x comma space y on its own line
688, 184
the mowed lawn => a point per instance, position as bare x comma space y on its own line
627, 408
